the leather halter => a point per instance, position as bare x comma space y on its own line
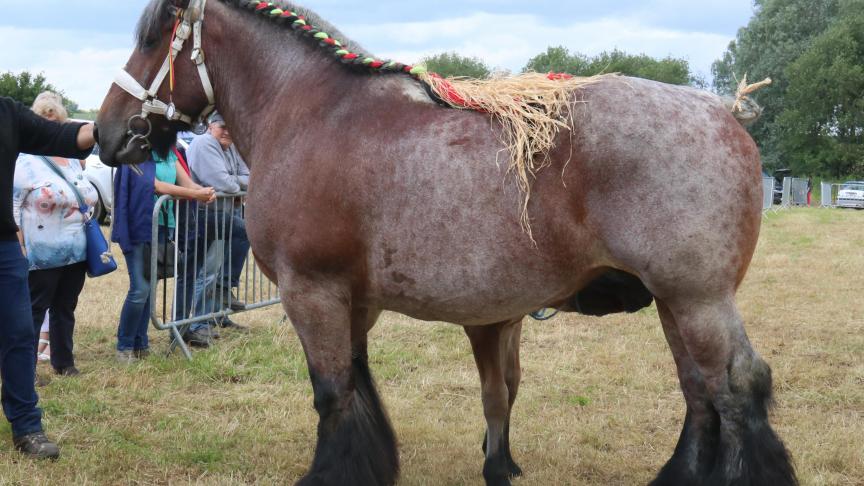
191, 22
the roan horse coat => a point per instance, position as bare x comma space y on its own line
366, 196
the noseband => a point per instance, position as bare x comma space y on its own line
189, 22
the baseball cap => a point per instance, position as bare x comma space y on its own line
216, 117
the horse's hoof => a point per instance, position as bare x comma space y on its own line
498, 481
310, 480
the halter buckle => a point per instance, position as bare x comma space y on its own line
198, 56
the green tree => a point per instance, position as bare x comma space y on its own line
560, 60
452, 64
822, 123
779, 32
25, 87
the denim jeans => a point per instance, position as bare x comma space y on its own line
236, 258
135, 316
17, 343
206, 300
191, 246
218, 267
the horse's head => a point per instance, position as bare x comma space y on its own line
164, 87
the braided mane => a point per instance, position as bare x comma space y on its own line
308, 24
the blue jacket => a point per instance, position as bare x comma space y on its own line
133, 205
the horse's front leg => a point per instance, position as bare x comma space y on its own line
496, 352
356, 444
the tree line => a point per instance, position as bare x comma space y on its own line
813, 119
25, 86
559, 59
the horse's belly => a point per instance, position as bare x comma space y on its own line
498, 276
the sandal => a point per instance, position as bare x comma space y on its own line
43, 356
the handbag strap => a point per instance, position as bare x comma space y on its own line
82, 206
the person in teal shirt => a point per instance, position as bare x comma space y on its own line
161, 175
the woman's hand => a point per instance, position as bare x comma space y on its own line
205, 195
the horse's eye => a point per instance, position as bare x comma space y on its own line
150, 42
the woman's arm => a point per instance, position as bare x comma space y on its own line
203, 194
183, 179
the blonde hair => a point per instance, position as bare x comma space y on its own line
50, 105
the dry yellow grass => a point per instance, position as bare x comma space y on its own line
599, 403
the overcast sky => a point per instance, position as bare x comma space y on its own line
79, 44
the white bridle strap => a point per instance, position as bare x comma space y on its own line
198, 58
129, 85
192, 21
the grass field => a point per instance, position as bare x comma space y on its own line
599, 402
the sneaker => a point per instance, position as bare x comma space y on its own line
126, 356
37, 446
199, 338
141, 353
227, 323
67, 371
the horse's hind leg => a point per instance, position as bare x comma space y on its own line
694, 455
496, 352
729, 440
356, 444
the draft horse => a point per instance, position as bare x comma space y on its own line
366, 195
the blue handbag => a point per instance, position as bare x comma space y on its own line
100, 261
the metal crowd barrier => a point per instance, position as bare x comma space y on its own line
786, 199
767, 193
798, 191
201, 261
828, 195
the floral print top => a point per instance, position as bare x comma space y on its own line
46, 210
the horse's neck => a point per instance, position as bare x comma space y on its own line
273, 76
